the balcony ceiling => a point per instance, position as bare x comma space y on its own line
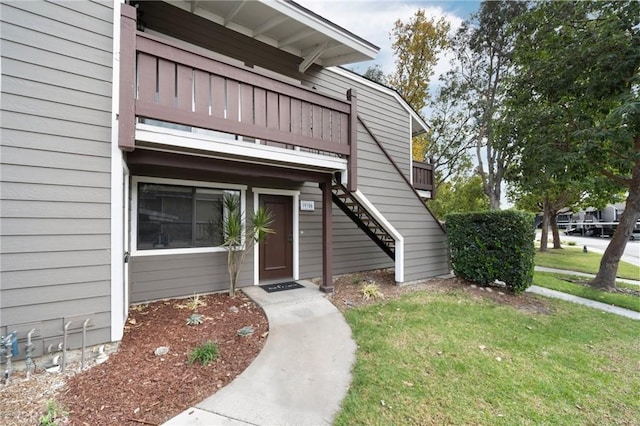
287, 26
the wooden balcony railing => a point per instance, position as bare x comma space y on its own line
164, 81
423, 176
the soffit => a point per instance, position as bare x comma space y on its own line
287, 26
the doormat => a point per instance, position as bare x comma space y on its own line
272, 288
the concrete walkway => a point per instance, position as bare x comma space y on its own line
301, 375
581, 300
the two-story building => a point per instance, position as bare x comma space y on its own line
124, 124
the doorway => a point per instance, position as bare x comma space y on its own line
276, 252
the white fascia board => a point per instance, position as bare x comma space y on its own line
260, 153
353, 76
119, 308
398, 238
333, 31
411, 151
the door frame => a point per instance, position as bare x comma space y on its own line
295, 195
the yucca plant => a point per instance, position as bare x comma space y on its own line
239, 238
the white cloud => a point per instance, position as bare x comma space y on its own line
373, 20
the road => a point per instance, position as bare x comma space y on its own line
599, 245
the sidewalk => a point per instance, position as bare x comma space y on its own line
582, 274
628, 313
301, 375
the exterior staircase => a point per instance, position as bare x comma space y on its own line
361, 217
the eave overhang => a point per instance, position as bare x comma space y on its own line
288, 26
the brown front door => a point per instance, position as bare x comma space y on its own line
276, 252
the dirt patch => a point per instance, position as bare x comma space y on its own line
584, 282
349, 291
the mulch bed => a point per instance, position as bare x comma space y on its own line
137, 387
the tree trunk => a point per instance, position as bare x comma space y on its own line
606, 277
494, 201
554, 229
545, 226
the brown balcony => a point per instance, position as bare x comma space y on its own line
423, 177
164, 81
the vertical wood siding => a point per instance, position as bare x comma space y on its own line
382, 112
55, 172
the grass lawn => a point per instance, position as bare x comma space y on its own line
556, 282
573, 259
455, 358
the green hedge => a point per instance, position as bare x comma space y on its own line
490, 246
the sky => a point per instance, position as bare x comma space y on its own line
373, 20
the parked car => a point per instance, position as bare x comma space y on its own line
635, 235
574, 231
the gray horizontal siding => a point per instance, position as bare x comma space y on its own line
77, 145
52, 260
53, 160
87, 23
48, 280
166, 276
60, 293
55, 154
424, 240
19, 173
58, 210
53, 243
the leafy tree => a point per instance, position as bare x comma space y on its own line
550, 203
449, 139
416, 45
239, 238
578, 70
375, 73
483, 51
460, 195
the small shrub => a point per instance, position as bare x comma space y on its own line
192, 303
52, 414
139, 308
204, 354
571, 243
195, 302
245, 331
195, 319
372, 291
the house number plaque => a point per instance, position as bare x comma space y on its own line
307, 206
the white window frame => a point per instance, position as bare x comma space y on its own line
190, 183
